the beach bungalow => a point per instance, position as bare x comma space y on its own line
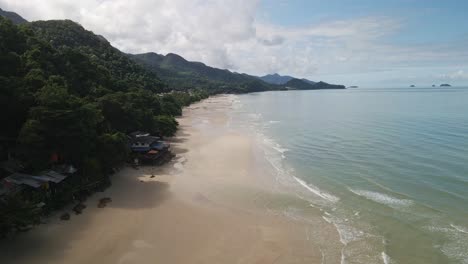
143, 143
148, 148
36, 181
13, 180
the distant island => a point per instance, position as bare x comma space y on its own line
412, 86
353, 86
445, 85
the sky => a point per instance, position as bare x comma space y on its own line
352, 42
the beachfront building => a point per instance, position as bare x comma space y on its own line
148, 148
143, 143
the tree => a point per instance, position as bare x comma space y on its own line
165, 125
112, 149
170, 106
17, 214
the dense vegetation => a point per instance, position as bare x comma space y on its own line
181, 74
66, 91
63, 89
304, 85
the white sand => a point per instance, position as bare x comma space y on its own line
209, 206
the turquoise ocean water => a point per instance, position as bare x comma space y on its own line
387, 167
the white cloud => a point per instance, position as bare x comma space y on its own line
195, 29
227, 34
456, 75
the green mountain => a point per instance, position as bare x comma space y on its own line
281, 80
276, 79
124, 73
298, 84
15, 18
308, 81
67, 91
181, 74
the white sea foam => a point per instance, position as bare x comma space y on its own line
315, 190
383, 198
348, 233
386, 259
274, 122
456, 241
274, 145
343, 258
459, 228
327, 219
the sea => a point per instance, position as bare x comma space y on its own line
388, 167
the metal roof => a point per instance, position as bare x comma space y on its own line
26, 179
35, 181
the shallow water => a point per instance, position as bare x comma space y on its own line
387, 167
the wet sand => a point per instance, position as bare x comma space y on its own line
212, 204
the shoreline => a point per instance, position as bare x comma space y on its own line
213, 204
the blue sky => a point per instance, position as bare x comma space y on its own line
351, 42
421, 23
425, 20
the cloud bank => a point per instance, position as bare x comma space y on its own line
227, 34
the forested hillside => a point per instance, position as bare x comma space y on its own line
276, 79
181, 74
65, 90
305, 85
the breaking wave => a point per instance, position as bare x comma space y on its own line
317, 191
382, 198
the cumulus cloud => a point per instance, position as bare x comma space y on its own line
228, 34
195, 29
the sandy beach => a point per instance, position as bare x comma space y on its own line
213, 204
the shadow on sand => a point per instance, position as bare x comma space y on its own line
49, 242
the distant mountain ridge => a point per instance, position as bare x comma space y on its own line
15, 18
308, 81
181, 74
276, 79
281, 80
298, 84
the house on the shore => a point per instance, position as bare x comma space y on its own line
148, 148
143, 143
36, 187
